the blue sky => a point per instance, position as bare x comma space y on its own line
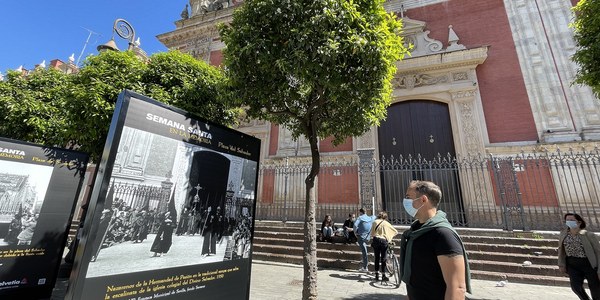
36, 30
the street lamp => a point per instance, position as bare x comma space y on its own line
125, 31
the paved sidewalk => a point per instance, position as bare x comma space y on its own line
272, 281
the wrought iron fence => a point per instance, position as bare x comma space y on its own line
525, 191
139, 196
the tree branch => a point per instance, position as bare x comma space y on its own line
286, 111
319, 99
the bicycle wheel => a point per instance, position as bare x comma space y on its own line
397, 270
393, 268
389, 265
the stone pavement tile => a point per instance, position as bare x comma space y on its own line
272, 281
284, 281
487, 290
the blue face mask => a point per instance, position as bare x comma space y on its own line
571, 224
408, 206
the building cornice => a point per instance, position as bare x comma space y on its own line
443, 61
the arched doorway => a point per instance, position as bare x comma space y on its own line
416, 143
208, 178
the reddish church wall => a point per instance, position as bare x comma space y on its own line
326, 145
268, 186
506, 105
273, 139
338, 185
216, 58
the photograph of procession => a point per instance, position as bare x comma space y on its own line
171, 203
22, 191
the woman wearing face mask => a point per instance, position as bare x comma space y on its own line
579, 256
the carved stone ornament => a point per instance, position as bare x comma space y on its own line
414, 34
366, 140
469, 127
184, 13
213, 5
460, 76
463, 94
411, 81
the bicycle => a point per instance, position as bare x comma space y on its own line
392, 264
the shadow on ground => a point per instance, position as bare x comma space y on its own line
353, 276
361, 277
377, 297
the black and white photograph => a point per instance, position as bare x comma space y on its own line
172, 203
22, 191
39, 187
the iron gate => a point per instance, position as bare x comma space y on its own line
525, 191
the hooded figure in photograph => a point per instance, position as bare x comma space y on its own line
14, 229
209, 233
105, 221
164, 236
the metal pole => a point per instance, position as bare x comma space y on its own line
374, 193
285, 172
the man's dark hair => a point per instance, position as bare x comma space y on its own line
362, 210
429, 189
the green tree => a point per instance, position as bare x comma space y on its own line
318, 67
53, 108
180, 80
93, 97
587, 34
32, 107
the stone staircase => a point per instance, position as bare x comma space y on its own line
493, 254
72, 231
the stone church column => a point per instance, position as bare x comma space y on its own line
468, 134
470, 148
368, 169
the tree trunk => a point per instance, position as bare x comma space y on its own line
309, 291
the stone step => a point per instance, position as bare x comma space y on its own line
495, 262
340, 263
521, 249
321, 253
514, 268
510, 241
520, 278
353, 258
488, 235
278, 240
492, 253
546, 260
481, 232
280, 235
352, 249
295, 239
479, 243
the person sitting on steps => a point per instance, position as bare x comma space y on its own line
349, 229
328, 229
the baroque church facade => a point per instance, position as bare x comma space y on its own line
484, 77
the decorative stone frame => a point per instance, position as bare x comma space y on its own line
450, 78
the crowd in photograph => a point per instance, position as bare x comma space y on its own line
126, 224
21, 229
